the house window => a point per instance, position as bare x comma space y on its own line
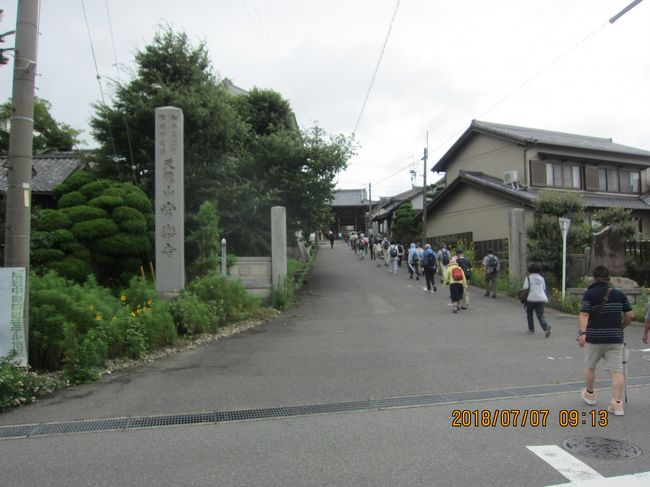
563, 175
630, 181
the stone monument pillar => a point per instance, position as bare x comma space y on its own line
278, 245
608, 249
170, 202
517, 252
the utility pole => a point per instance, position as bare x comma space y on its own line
19, 170
424, 194
369, 209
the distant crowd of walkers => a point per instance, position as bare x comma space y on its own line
605, 311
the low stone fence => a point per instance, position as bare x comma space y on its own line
633, 293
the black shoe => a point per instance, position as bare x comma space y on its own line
548, 331
487, 295
463, 307
435, 289
494, 296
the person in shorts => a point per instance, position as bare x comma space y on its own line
604, 312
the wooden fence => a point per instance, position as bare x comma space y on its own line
639, 249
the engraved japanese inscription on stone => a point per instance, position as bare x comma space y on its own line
170, 209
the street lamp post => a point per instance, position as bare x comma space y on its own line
223, 257
565, 223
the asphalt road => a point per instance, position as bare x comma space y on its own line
358, 333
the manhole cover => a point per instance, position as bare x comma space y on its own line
591, 446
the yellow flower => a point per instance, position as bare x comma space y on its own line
149, 301
146, 309
98, 317
122, 298
132, 314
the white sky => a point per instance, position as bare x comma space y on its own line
445, 64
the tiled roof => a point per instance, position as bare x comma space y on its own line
349, 197
48, 171
527, 195
525, 135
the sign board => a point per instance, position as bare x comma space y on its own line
12, 307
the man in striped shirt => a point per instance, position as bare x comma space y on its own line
604, 313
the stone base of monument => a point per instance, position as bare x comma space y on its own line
168, 296
254, 274
628, 286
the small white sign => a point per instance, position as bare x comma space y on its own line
12, 305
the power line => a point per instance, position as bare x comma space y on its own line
117, 73
270, 46
99, 78
374, 75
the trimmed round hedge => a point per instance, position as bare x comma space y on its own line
106, 202
49, 220
74, 182
83, 213
74, 198
93, 229
122, 244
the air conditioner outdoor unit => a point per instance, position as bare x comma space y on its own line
510, 177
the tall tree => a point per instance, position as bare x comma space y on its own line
49, 135
406, 227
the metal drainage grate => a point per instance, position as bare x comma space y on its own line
116, 424
603, 448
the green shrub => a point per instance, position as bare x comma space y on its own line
94, 229
83, 213
49, 220
74, 198
106, 202
227, 299
20, 386
192, 316
43, 256
122, 244
62, 236
74, 182
94, 189
71, 268
136, 227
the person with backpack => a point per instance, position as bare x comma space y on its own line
379, 255
413, 261
400, 254
604, 313
466, 265
444, 256
536, 298
492, 266
393, 255
429, 266
362, 248
455, 277
385, 245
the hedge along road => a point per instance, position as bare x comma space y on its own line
357, 333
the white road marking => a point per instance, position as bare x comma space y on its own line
581, 474
568, 465
551, 358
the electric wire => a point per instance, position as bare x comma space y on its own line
511, 93
119, 80
99, 81
258, 24
374, 75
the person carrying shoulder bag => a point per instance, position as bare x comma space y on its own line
536, 299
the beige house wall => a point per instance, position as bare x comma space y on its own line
489, 155
471, 210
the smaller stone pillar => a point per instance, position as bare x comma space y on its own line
517, 244
279, 245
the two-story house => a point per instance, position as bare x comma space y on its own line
493, 168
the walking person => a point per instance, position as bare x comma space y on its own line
444, 256
466, 265
413, 261
536, 299
331, 236
385, 245
379, 255
646, 324
492, 267
400, 254
362, 247
393, 255
600, 332
455, 277
429, 267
